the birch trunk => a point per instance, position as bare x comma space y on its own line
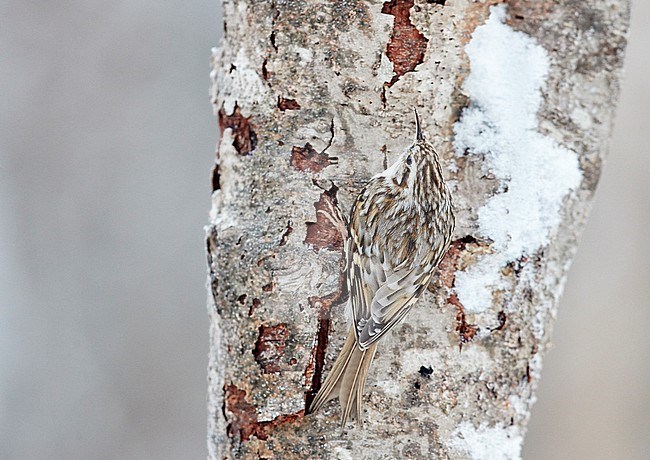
314, 97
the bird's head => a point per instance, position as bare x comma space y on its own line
417, 172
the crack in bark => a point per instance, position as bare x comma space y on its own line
216, 178
266, 75
314, 370
210, 248
285, 235
265, 70
254, 306
274, 20
329, 143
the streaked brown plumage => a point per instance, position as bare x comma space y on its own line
400, 227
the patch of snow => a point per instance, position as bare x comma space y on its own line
520, 405
508, 71
487, 443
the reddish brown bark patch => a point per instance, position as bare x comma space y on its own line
326, 232
452, 261
466, 331
407, 45
308, 159
287, 104
449, 263
264, 429
269, 348
242, 130
243, 418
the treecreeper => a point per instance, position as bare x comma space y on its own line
399, 229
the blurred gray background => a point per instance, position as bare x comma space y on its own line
106, 143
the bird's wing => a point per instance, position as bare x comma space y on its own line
380, 296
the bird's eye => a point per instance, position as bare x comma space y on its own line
409, 160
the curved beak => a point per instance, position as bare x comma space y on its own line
418, 129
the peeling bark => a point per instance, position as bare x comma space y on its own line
324, 233
269, 347
313, 98
285, 104
407, 45
245, 137
308, 159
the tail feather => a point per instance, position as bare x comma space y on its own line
346, 380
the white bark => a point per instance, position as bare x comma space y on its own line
313, 97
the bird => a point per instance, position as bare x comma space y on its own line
400, 227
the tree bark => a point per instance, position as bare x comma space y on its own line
313, 99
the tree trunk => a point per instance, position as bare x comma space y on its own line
313, 99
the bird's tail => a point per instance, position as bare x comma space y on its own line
346, 380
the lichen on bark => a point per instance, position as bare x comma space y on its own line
314, 98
